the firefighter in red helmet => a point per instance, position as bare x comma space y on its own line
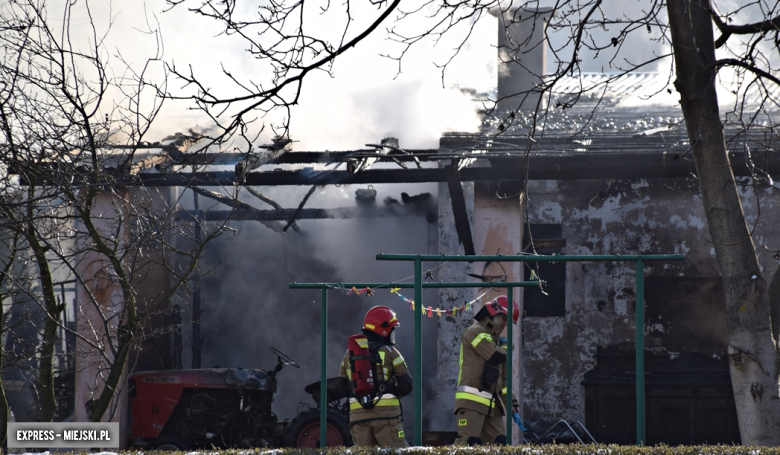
479, 409
376, 419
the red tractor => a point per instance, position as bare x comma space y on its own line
227, 408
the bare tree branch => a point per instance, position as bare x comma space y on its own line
734, 62
745, 29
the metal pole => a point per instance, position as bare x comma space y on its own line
437, 285
323, 368
510, 310
639, 259
530, 257
197, 340
418, 352
640, 353
440, 284
177, 339
418, 285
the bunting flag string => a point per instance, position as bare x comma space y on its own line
369, 292
426, 311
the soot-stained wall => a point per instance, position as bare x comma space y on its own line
685, 306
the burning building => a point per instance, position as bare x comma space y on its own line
624, 186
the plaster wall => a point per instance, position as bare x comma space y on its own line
153, 283
451, 327
685, 308
98, 304
498, 229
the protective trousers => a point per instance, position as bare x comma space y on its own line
379, 432
474, 425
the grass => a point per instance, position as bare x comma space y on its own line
552, 449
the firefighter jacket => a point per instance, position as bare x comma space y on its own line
478, 345
386, 399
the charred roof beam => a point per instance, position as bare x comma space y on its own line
393, 210
387, 149
459, 211
238, 205
272, 152
312, 177
175, 152
561, 166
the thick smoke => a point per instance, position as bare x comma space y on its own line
248, 307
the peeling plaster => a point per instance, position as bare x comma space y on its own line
649, 328
601, 217
550, 212
610, 217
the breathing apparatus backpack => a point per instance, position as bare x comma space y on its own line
360, 362
363, 360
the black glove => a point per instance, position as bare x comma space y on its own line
490, 375
404, 386
497, 358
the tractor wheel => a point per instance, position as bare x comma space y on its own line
170, 442
304, 430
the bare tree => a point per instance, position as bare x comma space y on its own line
279, 35
753, 348
12, 290
73, 141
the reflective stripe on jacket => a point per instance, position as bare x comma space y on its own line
387, 399
465, 392
479, 343
391, 364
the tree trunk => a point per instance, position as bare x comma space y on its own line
111, 384
46, 395
4, 410
774, 308
752, 352
129, 322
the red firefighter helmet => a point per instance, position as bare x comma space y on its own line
380, 320
499, 306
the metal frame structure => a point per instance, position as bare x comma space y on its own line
640, 319
417, 285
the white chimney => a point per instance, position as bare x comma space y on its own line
522, 57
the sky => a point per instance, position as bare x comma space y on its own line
362, 103
364, 98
